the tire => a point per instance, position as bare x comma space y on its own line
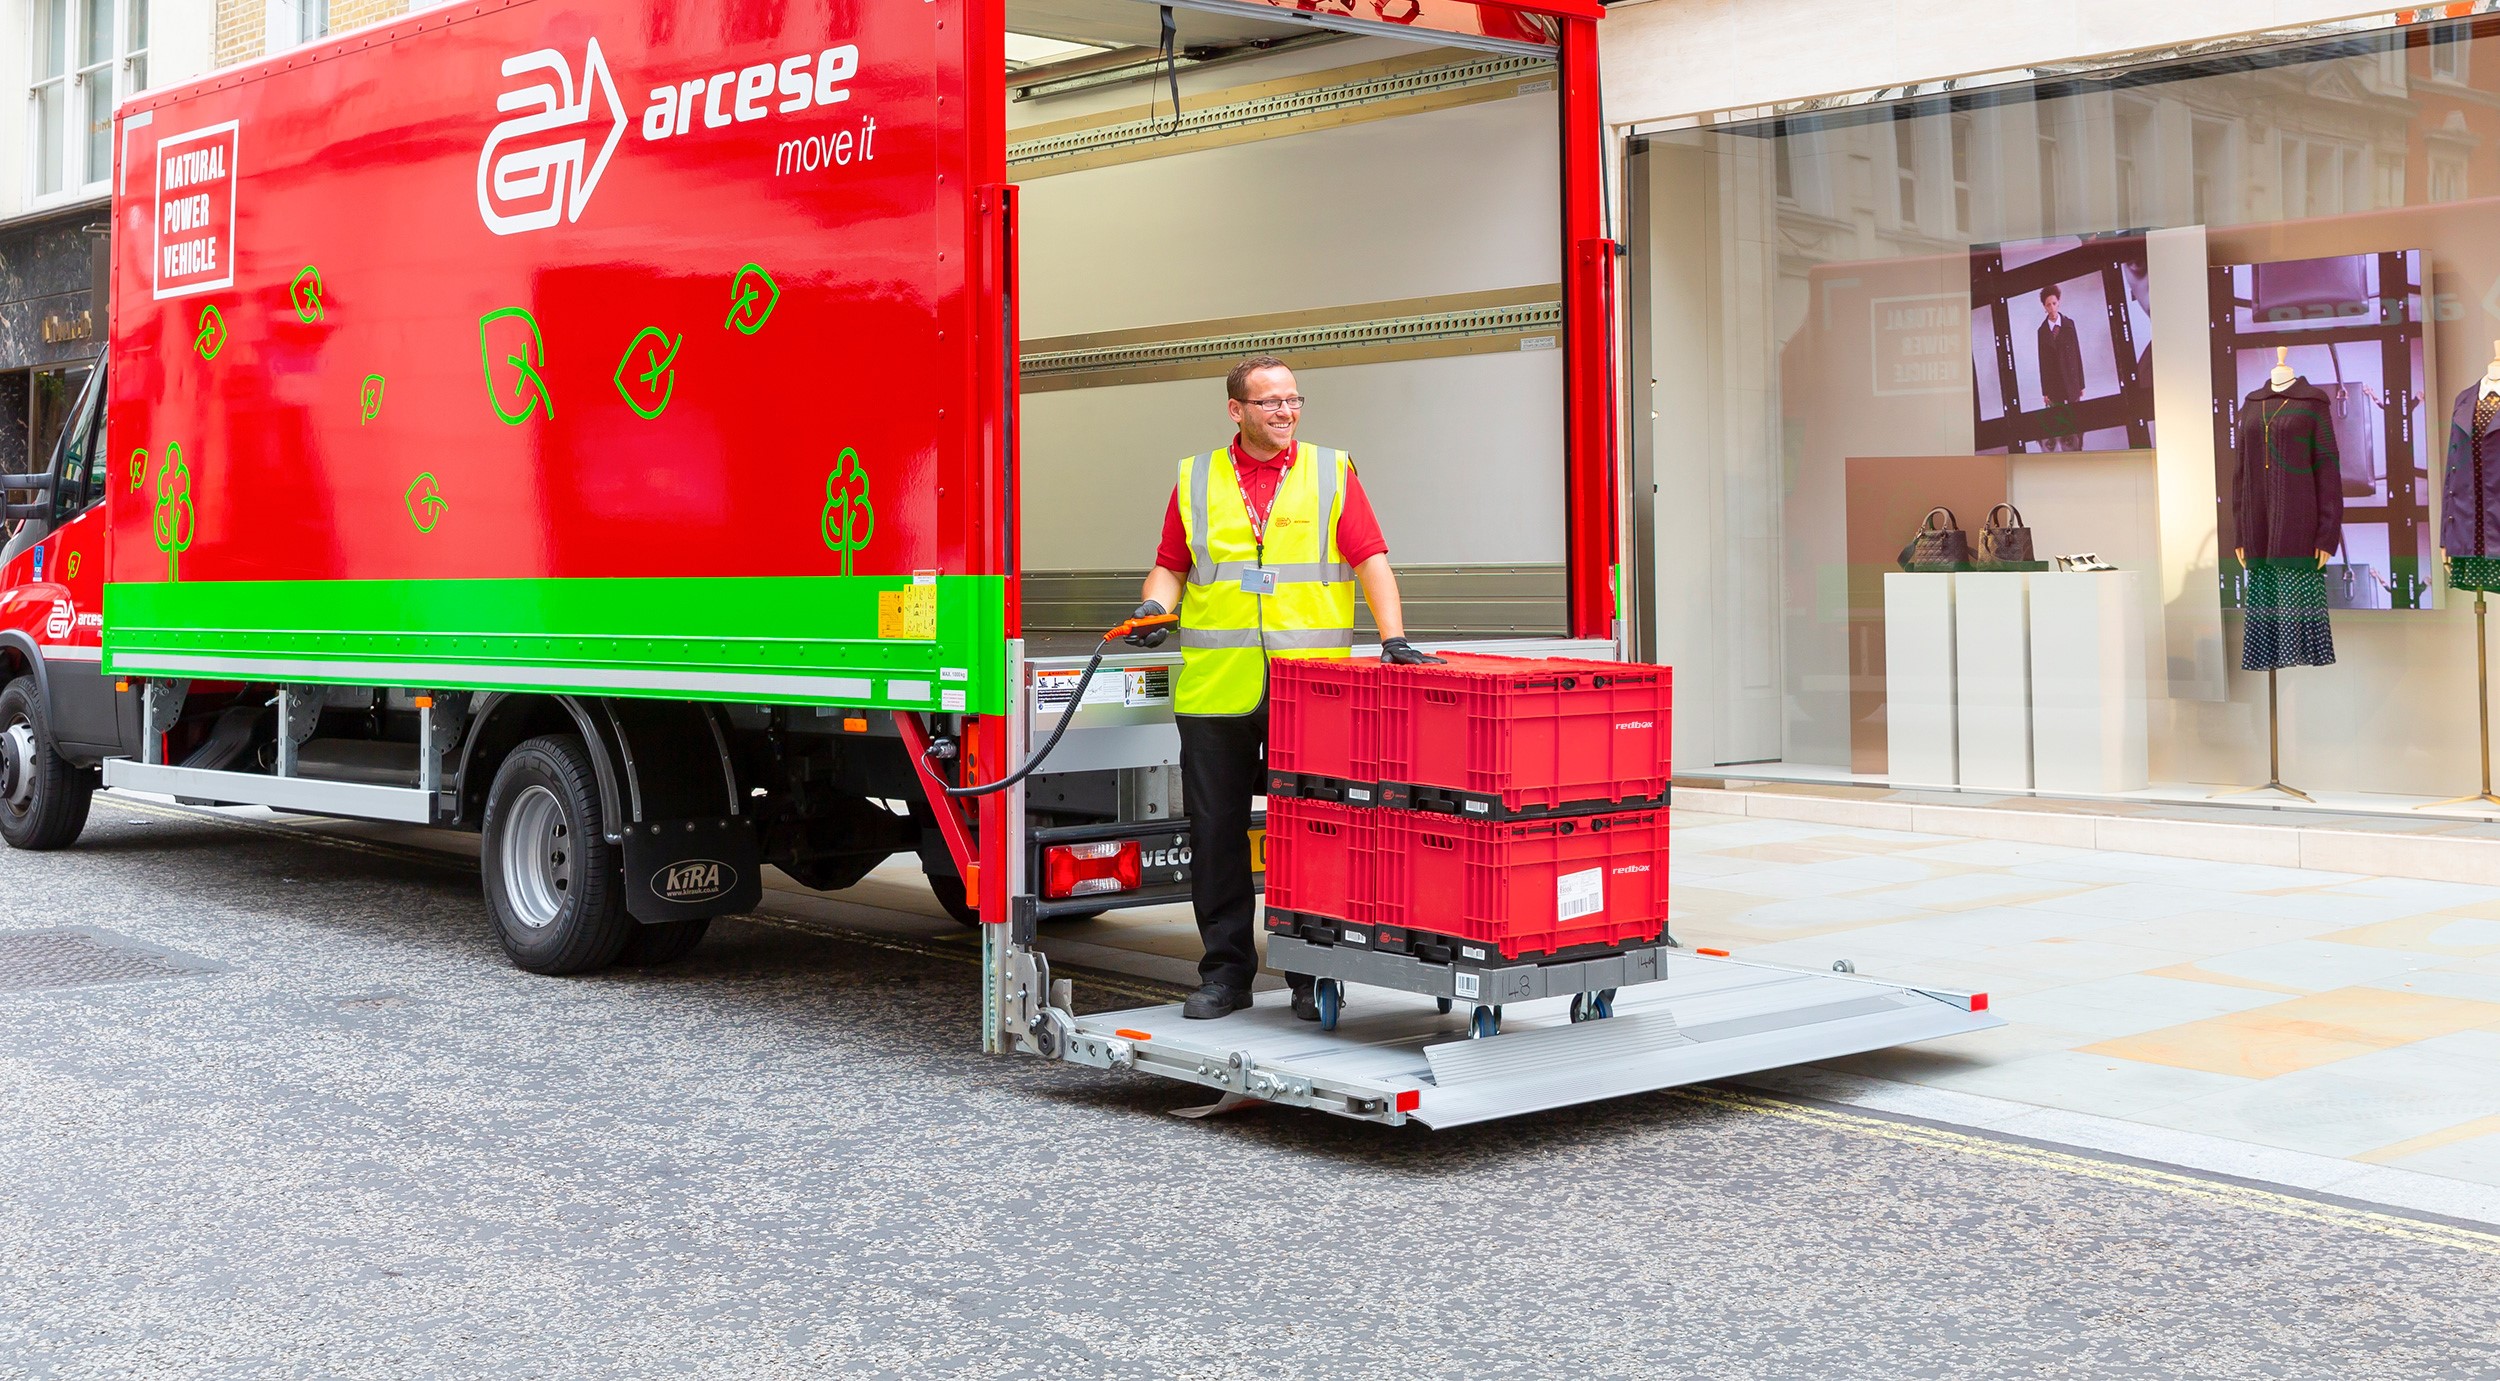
665, 942
43, 800
950, 895
553, 882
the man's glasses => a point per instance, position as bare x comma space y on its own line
1274, 406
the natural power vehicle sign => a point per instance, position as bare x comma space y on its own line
195, 174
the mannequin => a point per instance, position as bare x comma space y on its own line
2287, 508
2469, 532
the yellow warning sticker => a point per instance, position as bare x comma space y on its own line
909, 613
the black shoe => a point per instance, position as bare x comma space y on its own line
1215, 1000
1306, 1002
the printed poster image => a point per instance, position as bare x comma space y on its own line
2061, 339
2352, 325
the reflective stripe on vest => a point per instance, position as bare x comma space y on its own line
1226, 633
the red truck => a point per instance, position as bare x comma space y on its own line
676, 439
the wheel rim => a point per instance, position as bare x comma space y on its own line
538, 858
17, 767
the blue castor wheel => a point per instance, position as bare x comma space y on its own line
1487, 1023
1443, 1003
1596, 1006
1331, 995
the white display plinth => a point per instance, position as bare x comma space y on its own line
1992, 678
1918, 678
2087, 682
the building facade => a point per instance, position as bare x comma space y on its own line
75, 61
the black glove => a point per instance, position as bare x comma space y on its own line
1148, 637
1398, 652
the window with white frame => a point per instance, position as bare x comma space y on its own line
89, 55
293, 23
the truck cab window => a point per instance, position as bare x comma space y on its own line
84, 457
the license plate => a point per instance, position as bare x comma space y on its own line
1258, 850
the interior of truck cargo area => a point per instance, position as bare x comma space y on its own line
1398, 1055
1382, 213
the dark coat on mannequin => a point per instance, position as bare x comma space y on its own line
2287, 492
2468, 527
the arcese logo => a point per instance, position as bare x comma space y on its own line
528, 180
694, 879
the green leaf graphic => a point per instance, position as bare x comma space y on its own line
305, 293
752, 297
645, 377
425, 502
524, 354
212, 332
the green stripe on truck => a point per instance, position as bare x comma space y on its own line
806, 640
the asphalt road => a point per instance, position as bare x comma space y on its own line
323, 1130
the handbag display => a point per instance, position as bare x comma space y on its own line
2004, 546
1936, 548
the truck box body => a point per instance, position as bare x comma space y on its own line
598, 346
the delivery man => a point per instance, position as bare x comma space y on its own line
1263, 545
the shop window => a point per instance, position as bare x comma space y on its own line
2290, 208
88, 56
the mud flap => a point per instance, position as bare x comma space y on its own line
678, 870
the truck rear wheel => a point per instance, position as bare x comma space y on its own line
43, 800
553, 881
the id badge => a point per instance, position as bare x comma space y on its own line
1258, 580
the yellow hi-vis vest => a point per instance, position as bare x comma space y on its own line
1227, 634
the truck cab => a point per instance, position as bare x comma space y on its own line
60, 716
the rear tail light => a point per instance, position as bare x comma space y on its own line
1083, 870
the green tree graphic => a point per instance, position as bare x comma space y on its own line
175, 524
849, 520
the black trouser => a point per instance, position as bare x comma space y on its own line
1223, 765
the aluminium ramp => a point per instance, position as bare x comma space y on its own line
1395, 1056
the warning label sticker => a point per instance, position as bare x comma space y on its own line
909, 613
1145, 686
1052, 690
1579, 894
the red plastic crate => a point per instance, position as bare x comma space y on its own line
1524, 886
1525, 734
1321, 859
1323, 717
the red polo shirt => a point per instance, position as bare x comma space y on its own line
1358, 532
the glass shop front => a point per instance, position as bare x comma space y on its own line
2134, 433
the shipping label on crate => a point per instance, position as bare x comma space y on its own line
1580, 894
